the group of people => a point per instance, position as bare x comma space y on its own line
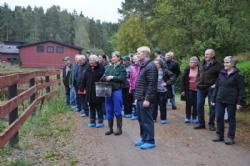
141, 85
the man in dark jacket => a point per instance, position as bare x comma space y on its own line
145, 94
209, 71
174, 67
82, 104
67, 79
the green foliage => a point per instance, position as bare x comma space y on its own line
244, 67
131, 35
188, 27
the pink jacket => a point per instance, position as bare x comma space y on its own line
135, 69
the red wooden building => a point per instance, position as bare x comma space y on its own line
46, 54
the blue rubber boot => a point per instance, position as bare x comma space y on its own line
187, 120
99, 125
146, 146
91, 125
139, 143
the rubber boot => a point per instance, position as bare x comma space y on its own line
119, 126
110, 123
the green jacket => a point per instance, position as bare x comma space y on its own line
119, 74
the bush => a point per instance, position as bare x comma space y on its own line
244, 67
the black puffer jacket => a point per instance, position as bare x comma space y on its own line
91, 77
174, 67
229, 88
81, 75
146, 83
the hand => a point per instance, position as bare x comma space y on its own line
146, 103
212, 103
183, 93
108, 78
238, 106
213, 86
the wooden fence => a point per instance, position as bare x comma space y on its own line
10, 108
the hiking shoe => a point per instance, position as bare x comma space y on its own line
99, 125
163, 122
218, 139
146, 146
139, 143
187, 120
229, 141
91, 125
174, 108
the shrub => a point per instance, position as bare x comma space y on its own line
244, 67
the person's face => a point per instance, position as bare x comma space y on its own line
81, 61
227, 64
192, 64
168, 57
92, 63
100, 59
141, 55
208, 55
115, 59
157, 64
136, 60
67, 62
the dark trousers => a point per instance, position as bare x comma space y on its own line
67, 94
162, 102
191, 104
146, 122
127, 101
201, 96
134, 107
83, 105
220, 111
96, 108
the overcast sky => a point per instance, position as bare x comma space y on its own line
104, 10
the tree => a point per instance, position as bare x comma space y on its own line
130, 35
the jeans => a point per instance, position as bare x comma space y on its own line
146, 122
161, 101
113, 104
201, 96
220, 111
191, 104
172, 100
73, 96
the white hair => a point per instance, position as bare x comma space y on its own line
82, 57
144, 49
231, 59
170, 53
94, 58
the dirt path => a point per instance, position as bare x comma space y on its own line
177, 145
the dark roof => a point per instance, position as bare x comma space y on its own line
8, 49
51, 41
17, 43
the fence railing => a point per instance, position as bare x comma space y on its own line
41, 81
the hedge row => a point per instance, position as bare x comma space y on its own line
244, 67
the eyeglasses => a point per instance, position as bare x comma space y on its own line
227, 62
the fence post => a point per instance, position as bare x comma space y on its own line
32, 83
47, 80
13, 115
58, 76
